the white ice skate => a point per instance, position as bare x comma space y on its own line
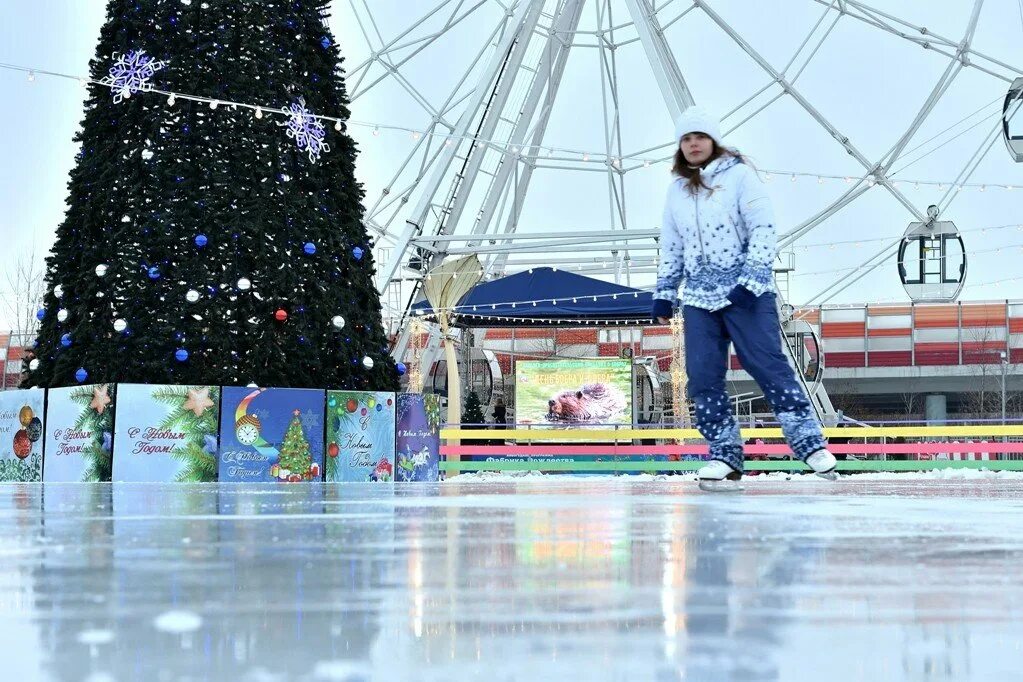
823, 464
718, 477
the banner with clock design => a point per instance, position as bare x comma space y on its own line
79, 434
271, 434
21, 434
166, 433
360, 436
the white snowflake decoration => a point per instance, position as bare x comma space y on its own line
131, 73
306, 129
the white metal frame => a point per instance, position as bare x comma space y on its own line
504, 116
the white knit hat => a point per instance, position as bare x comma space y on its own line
697, 120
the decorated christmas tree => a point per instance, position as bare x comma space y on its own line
473, 412
295, 456
205, 241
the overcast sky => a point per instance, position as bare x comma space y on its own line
869, 84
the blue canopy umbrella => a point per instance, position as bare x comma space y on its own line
548, 297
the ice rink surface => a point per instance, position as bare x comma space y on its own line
494, 578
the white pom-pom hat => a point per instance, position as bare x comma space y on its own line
697, 120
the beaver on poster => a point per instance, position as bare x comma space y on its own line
586, 393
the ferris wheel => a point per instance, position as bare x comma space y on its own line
470, 89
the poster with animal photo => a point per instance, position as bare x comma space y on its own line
574, 393
79, 433
166, 433
271, 434
418, 437
360, 436
21, 434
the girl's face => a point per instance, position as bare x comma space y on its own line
696, 147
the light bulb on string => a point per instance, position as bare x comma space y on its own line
376, 131
172, 100
31, 76
259, 112
337, 125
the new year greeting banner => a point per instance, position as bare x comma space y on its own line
271, 434
360, 436
79, 433
21, 434
166, 433
418, 437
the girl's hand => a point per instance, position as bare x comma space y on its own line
662, 320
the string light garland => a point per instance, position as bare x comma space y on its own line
535, 151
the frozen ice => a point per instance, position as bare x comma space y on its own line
507, 578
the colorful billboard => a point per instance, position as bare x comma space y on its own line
574, 393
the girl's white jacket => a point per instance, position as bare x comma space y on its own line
715, 240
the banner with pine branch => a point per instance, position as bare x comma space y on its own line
166, 433
79, 433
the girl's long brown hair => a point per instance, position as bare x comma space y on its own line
693, 176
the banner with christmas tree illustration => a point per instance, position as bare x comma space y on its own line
360, 436
166, 433
271, 434
79, 433
418, 437
21, 434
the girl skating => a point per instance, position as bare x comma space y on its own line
718, 240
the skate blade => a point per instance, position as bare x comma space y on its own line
722, 486
828, 475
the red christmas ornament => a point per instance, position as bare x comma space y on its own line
281, 315
388, 402
22, 444
333, 450
351, 405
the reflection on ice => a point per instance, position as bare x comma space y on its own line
627, 579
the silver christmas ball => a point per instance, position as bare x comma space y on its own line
34, 364
120, 325
244, 284
367, 362
101, 270
58, 291
62, 315
192, 296
338, 322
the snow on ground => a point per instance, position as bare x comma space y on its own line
774, 476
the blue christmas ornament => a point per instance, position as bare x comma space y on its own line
81, 375
309, 248
357, 252
181, 354
40, 314
379, 407
325, 42
65, 340
200, 240
154, 272
401, 368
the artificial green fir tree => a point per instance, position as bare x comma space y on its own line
206, 243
